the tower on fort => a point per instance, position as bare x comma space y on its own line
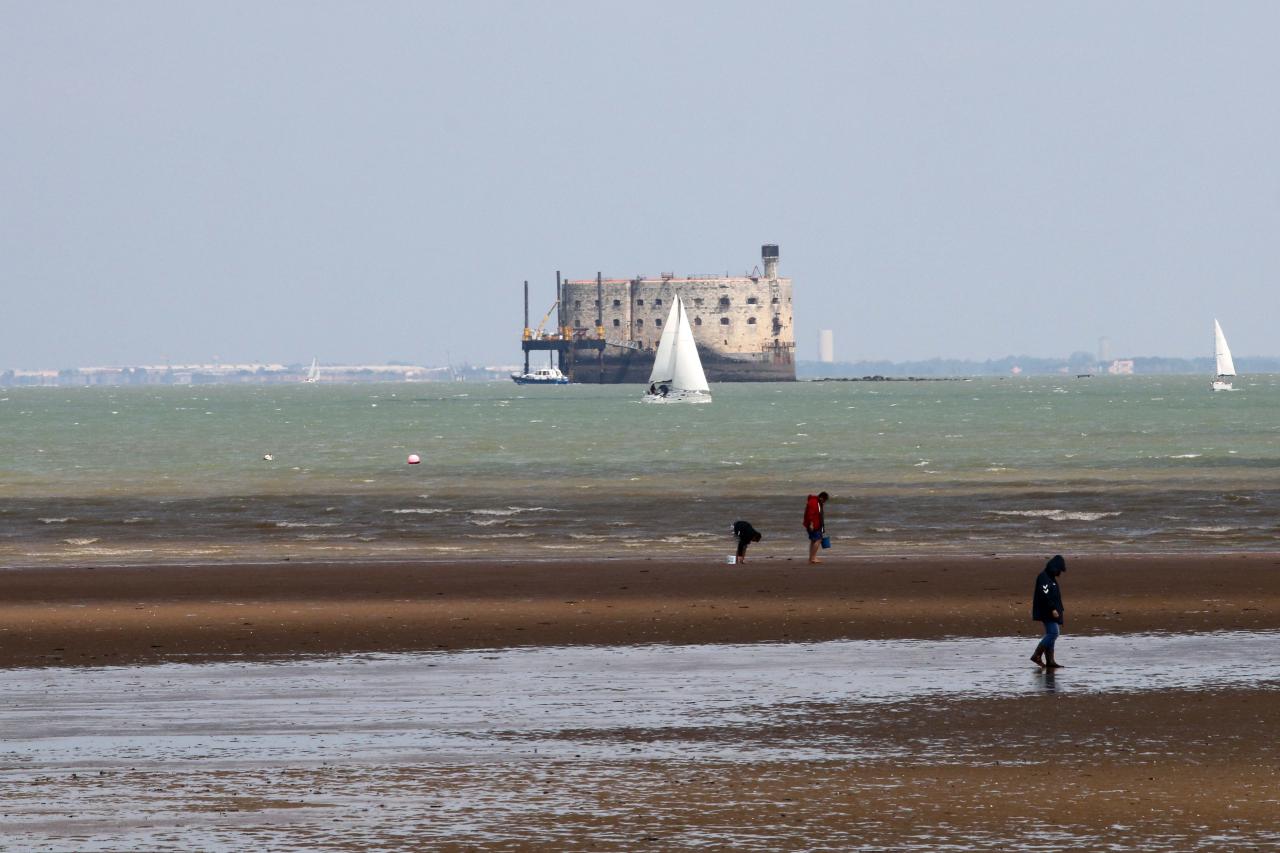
608, 328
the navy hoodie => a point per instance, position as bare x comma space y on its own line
1047, 598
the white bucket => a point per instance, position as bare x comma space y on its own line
731, 559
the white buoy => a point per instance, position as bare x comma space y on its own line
268, 457
413, 459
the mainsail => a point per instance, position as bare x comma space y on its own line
1222, 352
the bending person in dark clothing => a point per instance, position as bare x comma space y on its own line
746, 535
1046, 607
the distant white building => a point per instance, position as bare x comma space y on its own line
1121, 366
826, 346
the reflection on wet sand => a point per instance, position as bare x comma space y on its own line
1159, 742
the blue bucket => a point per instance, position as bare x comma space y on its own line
826, 541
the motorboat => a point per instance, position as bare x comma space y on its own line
541, 376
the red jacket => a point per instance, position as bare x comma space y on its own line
813, 514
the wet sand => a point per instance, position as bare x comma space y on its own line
1067, 761
1150, 742
76, 616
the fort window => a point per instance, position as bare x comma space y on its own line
751, 321
639, 301
724, 321
697, 321
774, 301
657, 322
724, 302
751, 300
697, 300
616, 322
657, 302
617, 303
595, 303
639, 323
577, 303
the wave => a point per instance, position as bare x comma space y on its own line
85, 541
1054, 514
512, 510
305, 524
421, 510
56, 520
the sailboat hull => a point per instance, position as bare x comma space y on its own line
1219, 385
677, 397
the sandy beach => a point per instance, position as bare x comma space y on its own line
73, 616
1046, 762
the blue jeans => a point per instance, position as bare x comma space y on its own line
1051, 631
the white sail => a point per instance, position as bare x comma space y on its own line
1222, 352
664, 369
688, 375
313, 375
676, 364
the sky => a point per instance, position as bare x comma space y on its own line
250, 181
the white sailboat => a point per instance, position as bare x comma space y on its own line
313, 375
677, 375
1225, 367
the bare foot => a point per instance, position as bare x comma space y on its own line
1053, 666
814, 562
1037, 661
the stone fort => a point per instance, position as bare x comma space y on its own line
608, 328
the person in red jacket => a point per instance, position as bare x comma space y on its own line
814, 523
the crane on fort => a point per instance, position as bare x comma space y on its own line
536, 334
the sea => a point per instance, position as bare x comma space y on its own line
1035, 466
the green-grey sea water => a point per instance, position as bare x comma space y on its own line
1036, 466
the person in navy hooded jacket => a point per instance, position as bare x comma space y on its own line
1046, 607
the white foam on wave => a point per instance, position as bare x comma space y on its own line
1187, 456
418, 510
1054, 514
678, 538
55, 520
511, 510
306, 524
82, 541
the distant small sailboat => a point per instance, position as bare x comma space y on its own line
313, 375
1225, 367
677, 375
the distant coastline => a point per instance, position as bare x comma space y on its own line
1077, 364
255, 373
246, 374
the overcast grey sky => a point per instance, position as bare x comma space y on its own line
364, 182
